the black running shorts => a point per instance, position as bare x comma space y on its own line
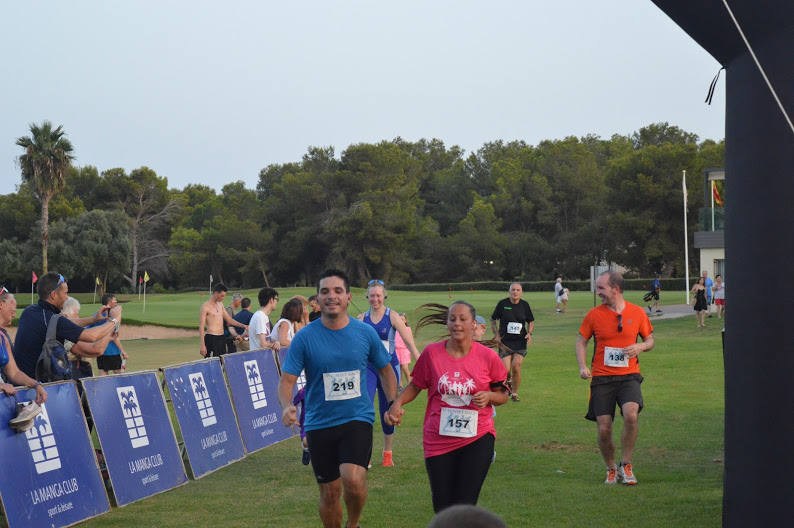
108, 363
216, 345
347, 443
608, 391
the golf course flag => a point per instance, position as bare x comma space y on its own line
145, 280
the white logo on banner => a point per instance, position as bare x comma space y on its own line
41, 442
132, 416
255, 386
203, 400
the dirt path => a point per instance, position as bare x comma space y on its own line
127, 332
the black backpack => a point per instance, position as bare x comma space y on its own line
53, 363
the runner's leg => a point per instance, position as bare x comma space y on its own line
515, 371
354, 480
330, 507
605, 443
474, 460
630, 430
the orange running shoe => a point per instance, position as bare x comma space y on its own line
626, 474
612, 476
387, 459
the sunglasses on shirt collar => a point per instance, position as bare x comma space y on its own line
620, 322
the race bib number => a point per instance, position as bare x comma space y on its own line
342, 385
615, 357
514, 328
458, 422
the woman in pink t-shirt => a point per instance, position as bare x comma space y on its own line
464, 380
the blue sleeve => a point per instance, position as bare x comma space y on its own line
378, 355
293, 363
68, 330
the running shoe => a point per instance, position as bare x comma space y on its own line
649, 309
515, 397
626, 474
306, 457
387, 459
23, 421
612, 476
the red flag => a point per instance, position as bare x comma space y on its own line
717, 197
140, 280
34, 278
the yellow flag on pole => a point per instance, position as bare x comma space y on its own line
98, 282
145, 276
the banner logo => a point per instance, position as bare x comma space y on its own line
128, 401
41, 441
203, 400
255, 386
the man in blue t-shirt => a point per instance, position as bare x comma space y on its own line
244, 316
334, 352
709, 284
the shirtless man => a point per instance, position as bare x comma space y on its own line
213, 315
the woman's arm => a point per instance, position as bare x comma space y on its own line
283, 333
395, 413
14, 375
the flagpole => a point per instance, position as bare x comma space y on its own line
32, 282
144, 294
712, 206
94, 302
686, 242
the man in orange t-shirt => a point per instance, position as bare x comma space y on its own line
615, 370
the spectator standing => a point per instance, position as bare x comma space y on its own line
10, 374
110, 361
719, 295
561, 295
709, 284
244, 316
32, 330
700, 302
315, 306
259, 328
212, 317
233, 337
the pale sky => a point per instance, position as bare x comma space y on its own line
212, 92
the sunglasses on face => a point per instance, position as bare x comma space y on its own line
376, 281
620, 322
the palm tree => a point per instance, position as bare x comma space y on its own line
47, 158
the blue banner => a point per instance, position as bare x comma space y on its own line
136, 435
50, 473
253, 381
205, 415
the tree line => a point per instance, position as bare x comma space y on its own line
401, 211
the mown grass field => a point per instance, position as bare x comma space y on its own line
548, 471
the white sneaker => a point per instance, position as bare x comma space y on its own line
23, 421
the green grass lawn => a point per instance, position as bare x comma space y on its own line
548, 471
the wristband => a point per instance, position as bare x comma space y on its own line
391, 403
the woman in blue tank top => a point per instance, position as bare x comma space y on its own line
385, 322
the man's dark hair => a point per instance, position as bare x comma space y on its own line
265, 294
335, 273
107, 298
220, 287
615, 279
313, 298
245, 303
48, 283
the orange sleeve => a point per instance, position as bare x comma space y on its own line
586, 328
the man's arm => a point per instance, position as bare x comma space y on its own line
230, 321
581, 354
289, 414
86, 349
100, 315
635, 349
495, 330
531, 329
202, 323
408, 338
96, 333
